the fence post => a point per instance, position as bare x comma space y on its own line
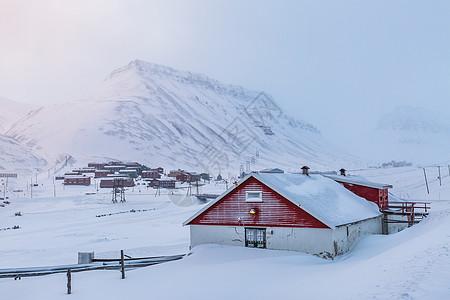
122, 263
69, 282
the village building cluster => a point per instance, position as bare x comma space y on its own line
125, 174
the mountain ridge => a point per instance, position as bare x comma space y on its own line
161, 116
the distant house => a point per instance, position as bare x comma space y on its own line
205, 176
85, 170
165, 183
175, 173
71, 174
151, 174
97, 166
188, 177
77, 180
103, 173
159, 170
115, 168
134, 165
297, 212
276, 171
116, 182
133, 173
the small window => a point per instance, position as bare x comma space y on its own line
253, 196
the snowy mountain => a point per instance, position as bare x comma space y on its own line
11, 112
411, 133
161, 116
16, 158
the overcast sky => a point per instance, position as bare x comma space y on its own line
337, 64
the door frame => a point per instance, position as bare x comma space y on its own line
254, 244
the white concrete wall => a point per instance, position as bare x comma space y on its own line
316, 241
223, 235
309, 240
345, 236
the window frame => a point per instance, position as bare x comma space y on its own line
253, 199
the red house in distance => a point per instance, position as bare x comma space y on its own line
371, 191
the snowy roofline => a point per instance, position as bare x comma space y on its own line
358, 181
310, 202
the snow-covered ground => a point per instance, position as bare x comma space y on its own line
412, 264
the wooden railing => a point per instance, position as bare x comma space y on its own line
415, 211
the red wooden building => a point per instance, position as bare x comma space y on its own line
85, 170
166, 183
151, 174
77, 180
117, 182
160, 170
175, 173
98, 166
371, 191
311, 214
72, 173
188, 177
103, 173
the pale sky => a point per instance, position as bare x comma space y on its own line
337, 64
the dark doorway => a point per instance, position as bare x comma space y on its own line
255, 237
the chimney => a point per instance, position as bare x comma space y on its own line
342, 171
305, 170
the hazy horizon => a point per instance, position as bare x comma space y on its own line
339, 66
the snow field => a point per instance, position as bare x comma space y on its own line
412, 264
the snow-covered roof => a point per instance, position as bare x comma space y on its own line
165, 179
276, 170
358, 180
75, 176
324, 199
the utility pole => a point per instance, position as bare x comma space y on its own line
197, 187
54, 187
426, 182
189, 189
439, 170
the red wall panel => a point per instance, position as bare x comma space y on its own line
273, 211
378, 196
